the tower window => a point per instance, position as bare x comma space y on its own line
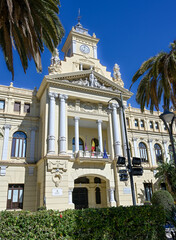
142, 123
2, 104
27, 107
156, 125
151, 125
17, 106
136, 123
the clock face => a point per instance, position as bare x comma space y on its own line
84, 49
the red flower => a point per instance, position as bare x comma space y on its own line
60, 215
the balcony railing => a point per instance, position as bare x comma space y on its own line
89, 154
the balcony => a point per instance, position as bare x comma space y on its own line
89, 156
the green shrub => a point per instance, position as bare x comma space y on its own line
127, 223
41, 208
163, 198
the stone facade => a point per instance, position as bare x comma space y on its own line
59, 145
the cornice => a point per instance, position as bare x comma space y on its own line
19, 117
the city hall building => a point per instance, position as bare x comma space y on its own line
59, 145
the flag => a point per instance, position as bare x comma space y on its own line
105, 153
86, 144
93, 146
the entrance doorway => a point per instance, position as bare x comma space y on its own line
80, 198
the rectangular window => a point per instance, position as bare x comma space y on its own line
148, 191
156, 125
151, 125
142, 123
27, 107
136, 122
17, 106
15, 196
2, 104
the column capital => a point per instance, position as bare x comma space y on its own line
134, 139
164, 141
150, 140
115, 105
63, 96
99, 121
52, 95
76, 118
7, 126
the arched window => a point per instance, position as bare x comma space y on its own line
81, 180
19, 144
97, 180
81, 144
143, 152
98, 195
158, 153
170, 152
94, 145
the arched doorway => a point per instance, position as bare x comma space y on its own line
90, 192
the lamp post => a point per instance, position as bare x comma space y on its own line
168, 118
120, 102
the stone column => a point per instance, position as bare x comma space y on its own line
166, 151
76, 134
100, 139
6, 141
32, 145
123, 132
117, 147
152, 153
136, 154
62, 137
111, 197
51, 132
70, 199
95, 51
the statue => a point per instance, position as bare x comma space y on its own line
117, 75
55, 66
55, 60
92, 79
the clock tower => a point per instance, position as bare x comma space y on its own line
80, 53
80, 42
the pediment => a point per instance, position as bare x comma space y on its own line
91, 80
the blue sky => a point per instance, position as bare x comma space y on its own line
130, 32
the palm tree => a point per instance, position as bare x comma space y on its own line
157, 80
166, 173
28, 25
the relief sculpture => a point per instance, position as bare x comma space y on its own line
57, 169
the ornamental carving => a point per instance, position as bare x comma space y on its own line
89, 107
57, 168
55, 66
71, 105
91, 82
117, 75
